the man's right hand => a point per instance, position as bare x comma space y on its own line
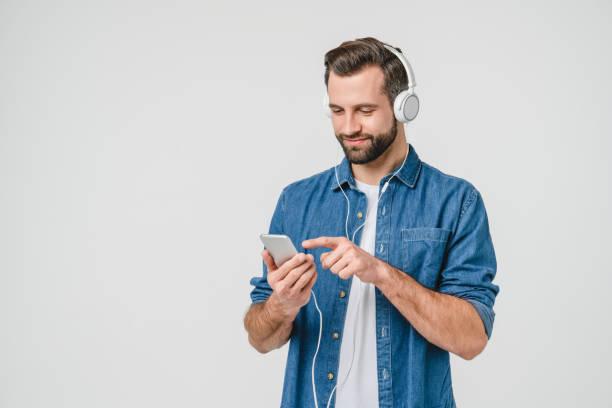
290, 283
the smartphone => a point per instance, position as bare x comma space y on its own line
280, 246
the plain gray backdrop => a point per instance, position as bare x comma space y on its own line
144, 144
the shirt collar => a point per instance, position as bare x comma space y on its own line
407, 175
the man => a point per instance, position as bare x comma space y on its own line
398, 254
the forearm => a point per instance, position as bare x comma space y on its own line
267, 327
444, 320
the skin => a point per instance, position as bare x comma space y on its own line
269, 323
359, 109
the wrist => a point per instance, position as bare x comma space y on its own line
276, 312
386, 277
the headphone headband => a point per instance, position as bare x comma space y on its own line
406, 64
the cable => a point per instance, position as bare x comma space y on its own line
314, 389
382, 191
384, 188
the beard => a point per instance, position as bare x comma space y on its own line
369, 150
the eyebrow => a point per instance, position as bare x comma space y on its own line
360, 105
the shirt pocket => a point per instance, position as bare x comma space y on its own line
423, 253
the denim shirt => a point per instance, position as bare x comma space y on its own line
430, 225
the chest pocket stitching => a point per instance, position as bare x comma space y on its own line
425, 234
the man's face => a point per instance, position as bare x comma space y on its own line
362, 116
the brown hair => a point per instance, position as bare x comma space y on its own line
351, 56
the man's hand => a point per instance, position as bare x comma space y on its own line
347, 259
291, 283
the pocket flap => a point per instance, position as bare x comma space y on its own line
425, 234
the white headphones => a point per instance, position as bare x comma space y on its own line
406, 104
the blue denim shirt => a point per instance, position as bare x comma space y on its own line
431, 226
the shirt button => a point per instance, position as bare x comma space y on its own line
342, 294
380, 248
330, 376
384, 210
335, 335
359, 214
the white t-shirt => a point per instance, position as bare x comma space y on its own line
361, 386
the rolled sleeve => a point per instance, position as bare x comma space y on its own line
262, 290
470, 262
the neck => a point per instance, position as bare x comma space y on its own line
372, 172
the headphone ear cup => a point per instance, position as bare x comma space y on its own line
406, 106
326, 105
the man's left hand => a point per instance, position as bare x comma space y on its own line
347, 259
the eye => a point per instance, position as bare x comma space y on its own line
367, 112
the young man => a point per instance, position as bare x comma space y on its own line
397, 253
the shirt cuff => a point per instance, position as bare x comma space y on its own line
486, 314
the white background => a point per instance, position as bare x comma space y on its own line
143, 146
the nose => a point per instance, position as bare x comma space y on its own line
349, 124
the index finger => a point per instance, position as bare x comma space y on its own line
328, 242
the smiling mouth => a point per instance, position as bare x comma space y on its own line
355, 141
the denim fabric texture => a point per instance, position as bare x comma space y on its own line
430, 225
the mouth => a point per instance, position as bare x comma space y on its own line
355, 142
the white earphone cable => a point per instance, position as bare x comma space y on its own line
384, 188
314, 389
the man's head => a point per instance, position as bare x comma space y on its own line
363, 78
